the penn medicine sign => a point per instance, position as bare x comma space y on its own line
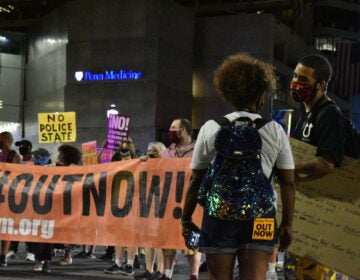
108, 75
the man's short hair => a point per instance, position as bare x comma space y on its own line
320, 64
185, 123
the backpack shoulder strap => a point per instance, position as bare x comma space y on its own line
319, 105
222, 121
260, 122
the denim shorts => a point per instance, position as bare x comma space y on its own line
220, 236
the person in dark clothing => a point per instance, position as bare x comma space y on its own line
43, 251
10, 156
321, 125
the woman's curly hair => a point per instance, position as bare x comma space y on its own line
71, 154
242, 79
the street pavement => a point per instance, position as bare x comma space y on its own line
81, 268
87, 269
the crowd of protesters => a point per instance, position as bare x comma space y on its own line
243, 82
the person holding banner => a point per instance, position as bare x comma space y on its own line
68, 156
154, 150
25, 147
242, 81
126, 152
321, 125
182, 145
44, 250
10, 156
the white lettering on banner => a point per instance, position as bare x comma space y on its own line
28, 227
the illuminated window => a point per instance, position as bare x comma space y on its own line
326, 43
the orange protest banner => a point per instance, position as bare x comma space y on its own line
126, 203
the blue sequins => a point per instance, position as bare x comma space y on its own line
235, 187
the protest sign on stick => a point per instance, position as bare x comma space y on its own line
118, 130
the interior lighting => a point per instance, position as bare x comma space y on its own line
10, 126
112, 110
51, 41
5, 10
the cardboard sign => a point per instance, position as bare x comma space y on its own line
57, 127
327, 215
89, 153
118, 130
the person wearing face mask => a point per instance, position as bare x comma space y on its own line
25, 147
10, 156
126, 267
181, 143
182, 146
322, 125
154, 150
43, 251
68, 156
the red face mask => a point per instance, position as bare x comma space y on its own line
173, 136
301, 92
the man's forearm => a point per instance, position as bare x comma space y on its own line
317, 166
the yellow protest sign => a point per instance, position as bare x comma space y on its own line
327, 215
263, 229
57, 127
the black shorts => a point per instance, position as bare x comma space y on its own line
220, 236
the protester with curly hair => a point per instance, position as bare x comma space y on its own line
242, 81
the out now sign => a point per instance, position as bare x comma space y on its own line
57, 127
263, 229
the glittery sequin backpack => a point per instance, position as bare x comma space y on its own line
235, 186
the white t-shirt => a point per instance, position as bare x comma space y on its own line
276, 148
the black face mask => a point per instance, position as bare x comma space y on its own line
24, 150
151, 155
125, 152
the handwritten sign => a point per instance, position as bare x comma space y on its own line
118, 130
89, 151
327, 215
57, 127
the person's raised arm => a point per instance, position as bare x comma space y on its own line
103, 147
